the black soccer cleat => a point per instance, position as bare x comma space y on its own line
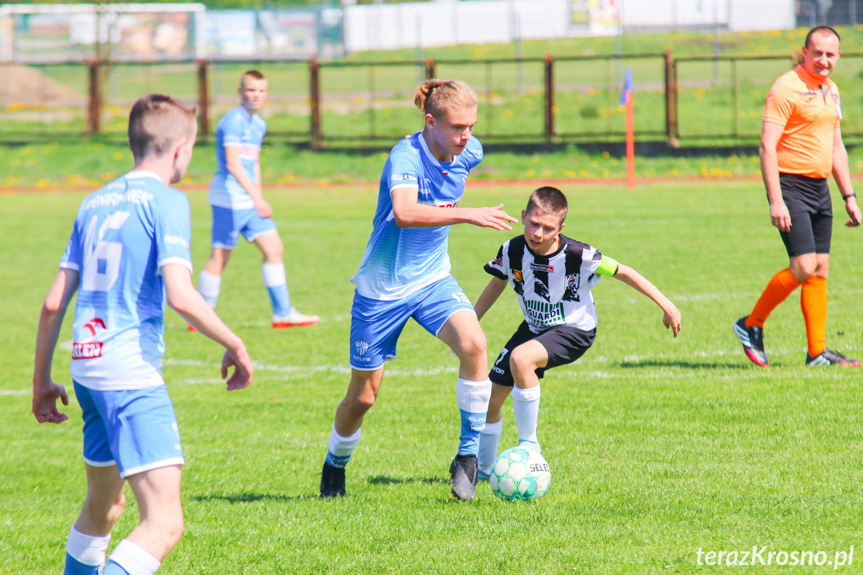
332, 481
828, 357
752, 339
464, 470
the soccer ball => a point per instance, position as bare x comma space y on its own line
520, 474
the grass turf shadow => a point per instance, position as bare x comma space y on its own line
386, 480
252, 497
681, 364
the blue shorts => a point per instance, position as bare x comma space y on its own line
228, 224
376, 325
134, 429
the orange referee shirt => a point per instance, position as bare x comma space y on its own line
810, 112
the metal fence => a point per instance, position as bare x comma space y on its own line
521, 100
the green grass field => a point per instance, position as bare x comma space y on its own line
659, 448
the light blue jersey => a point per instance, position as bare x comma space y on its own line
237, 128
397, 262
123, 235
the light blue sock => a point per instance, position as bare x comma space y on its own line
277, 287
113, 569
473, 399
471, 425
75, 567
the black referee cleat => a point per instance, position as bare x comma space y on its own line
752, 339
332, 481
828, 357
464, 470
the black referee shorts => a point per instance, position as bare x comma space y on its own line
811, 210
564, 345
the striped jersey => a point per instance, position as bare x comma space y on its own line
123, 235
237, 128
554, 289
399, 261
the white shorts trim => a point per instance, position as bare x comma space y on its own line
99, 463
154, 465
265, 232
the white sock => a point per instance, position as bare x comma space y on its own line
277, 287
525, 404
489, 438
134, 559
87, 549
340, 449
209, 285
273, 274
473, 396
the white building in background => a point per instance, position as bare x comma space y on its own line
445, 22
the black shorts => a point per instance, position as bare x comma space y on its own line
564, 345
811, 210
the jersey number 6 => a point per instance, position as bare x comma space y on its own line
102, 261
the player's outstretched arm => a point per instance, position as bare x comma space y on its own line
186, 301
488, 296
842, 175
409, 213
671, 316
45, 391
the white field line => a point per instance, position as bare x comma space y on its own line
594, 361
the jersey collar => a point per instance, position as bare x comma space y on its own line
143, 174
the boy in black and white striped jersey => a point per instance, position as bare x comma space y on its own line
552, 276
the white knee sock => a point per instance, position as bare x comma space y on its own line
133, 559
277, 286
489, 438
525, 404
87, 549
209, 285
340, 449
472, 399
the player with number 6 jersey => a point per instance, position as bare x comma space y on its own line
123, 234
128, 255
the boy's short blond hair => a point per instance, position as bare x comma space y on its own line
550, 200
437, 97
156, 123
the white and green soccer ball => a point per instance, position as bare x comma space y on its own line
520, 474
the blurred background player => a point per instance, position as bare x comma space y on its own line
552, 275
405, 272
129, 248
801, 144
239, 206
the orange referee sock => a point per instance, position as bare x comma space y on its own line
813, 302
778, 288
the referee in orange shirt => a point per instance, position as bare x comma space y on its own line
801, 144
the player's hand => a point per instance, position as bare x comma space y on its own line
671, 319
45, 403
493, 218
853, 212
264, 209
780, 217
241, 378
